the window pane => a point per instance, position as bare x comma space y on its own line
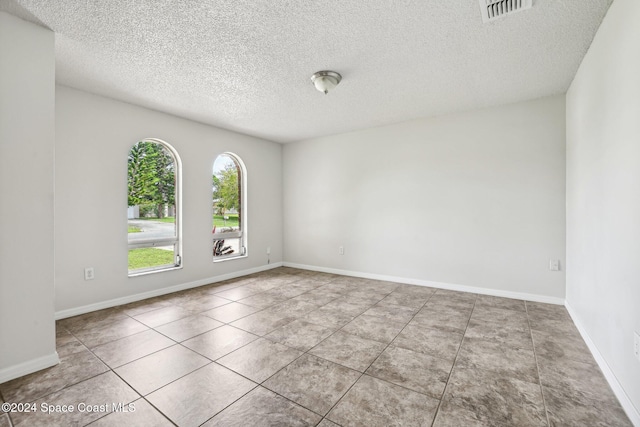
150, 258
153, 229
227, 207
152, 192
225, 247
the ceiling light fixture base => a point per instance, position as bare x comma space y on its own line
326, 80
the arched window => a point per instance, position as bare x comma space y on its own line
154, 207
229, 207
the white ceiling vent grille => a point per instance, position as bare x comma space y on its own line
494, 9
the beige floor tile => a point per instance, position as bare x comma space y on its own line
326, 423
329, 317
492, 314
450, 415
507, 303
404, 300
263, 322
374, 328
395, 313
415, 291
349, 350
556, 347
313, 383
264, 299
576, 379
353, 307
197, 397
237, 293
494, 399
516, 334
447, 319
372, 402
219, 342
188, 327
66, 343
125, 350
159, 369
293, 308
164, 315
259, 359
203, 302
300, 335
92, 320
416, 371
109, 331
230, 312
435, 342
263, 408
139, 307
500, 358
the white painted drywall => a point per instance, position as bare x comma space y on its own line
474, 199
93, 137
603, 193
27, 102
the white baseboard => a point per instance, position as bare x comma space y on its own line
62, 314
439, 285
28, 367
625, 401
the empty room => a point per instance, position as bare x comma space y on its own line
252, 213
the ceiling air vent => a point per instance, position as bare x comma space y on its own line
494, 9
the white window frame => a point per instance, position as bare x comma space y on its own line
175, 241
241, 234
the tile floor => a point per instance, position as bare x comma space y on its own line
299, 348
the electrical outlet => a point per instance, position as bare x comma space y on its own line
268, 250
89, 273
636, 345
554, 264
340, 250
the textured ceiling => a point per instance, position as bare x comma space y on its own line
245, 65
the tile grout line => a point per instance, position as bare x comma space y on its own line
249, 379
226, 354
301, 355
455, 359
306, 352
180, 344
363, 373
535, 355
123, 380
144, 397
261, 383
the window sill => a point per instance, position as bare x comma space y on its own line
216, 260
154, 271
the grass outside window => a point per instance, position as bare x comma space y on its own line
149, 257
219, 221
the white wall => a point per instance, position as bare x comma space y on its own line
603, 194
93, 137
27, 101
474, 199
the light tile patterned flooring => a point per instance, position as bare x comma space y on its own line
299, 348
